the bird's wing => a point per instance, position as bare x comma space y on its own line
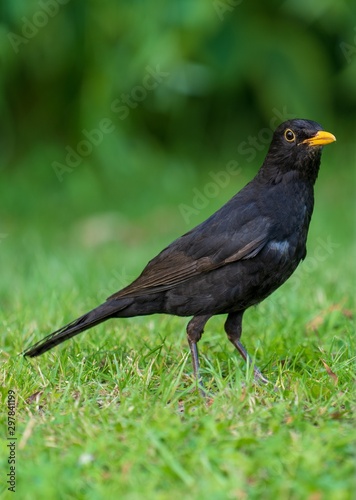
199, 251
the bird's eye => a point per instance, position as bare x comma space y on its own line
289, 135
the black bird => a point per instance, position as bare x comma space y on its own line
234, 259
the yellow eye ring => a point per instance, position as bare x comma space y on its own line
289, 135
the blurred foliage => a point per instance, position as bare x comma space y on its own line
178, 85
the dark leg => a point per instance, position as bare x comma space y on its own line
195, 330
233, 328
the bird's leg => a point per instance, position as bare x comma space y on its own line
233, 328
195, 329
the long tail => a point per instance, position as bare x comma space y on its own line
101, 313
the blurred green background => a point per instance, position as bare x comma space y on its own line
123, 125
116, 115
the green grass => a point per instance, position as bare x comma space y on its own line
114, 413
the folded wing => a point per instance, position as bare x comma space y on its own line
197, 252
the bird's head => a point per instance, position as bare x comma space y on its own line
296, 147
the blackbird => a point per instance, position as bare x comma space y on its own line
235, 258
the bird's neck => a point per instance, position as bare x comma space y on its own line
275, 170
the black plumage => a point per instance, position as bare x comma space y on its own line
235, 258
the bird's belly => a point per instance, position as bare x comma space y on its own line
238, 285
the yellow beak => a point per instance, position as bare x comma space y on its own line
320, 139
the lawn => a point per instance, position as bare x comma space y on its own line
114, 413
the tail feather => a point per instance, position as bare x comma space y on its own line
92, 318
